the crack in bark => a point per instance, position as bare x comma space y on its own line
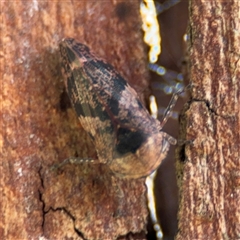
41, 194
63, 209
207, 103
79, 233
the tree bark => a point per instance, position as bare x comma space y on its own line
39, 127
209, 161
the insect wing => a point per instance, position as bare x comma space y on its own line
86, 100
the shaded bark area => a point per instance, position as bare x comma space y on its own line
173, 25
39, 127
208, 164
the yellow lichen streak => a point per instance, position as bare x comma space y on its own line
151, 29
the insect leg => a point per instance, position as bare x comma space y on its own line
171, 105
74, 160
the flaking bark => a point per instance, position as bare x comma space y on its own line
209, 161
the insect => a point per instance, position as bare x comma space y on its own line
125, 136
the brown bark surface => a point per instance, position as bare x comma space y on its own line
209, 163
39, 127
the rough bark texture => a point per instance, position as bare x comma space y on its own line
39, 127
210, 159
